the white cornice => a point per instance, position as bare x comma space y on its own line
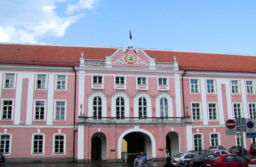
226, 74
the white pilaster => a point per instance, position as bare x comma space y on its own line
50, 99
189, 137
18, 99
81, 91
80, 142
229, 103
204, 103
220, 102
244, 100
177, 94
30, 99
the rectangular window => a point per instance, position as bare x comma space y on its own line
119, 80
162, 81
142, 81
4, 143
250, 87
9, 80
60, 110
41, 81
252, 110
237, 110
214, 139
61, 82
210, 86
59, 144
212, 111
198, 142
235, 86
38, 141
194, 86
97, 80
196, 111
7, 110
39, 110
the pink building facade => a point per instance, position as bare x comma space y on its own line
83, 103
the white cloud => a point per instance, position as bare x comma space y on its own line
28, 21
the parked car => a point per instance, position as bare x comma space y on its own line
2, 158
224, 160
219, 147
200, 152
199, 161
183, 158
220, 152
253, 148
237, 150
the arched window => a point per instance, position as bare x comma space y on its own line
163, 107
198, 142
214, 139
5, 143
142, 107
120, 107
97, 107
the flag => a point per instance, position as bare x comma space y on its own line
130, 34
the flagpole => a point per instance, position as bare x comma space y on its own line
130, 39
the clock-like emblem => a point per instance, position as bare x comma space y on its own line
130, 58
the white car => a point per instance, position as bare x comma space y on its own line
220, 152
183, 157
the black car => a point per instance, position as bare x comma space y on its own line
2, 158
237, 150
199, 161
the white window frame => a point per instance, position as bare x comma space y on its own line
56, 83
140, 84
45, 110
252, 87
118, 85
12, 81
2, 105
234, 110
32, 144
119, 77
126, 104
202, 141
216, 111
218, 139
120, 106
98, 116
160, 81
193, 86
254, 111
36, 85
214, 86
10, 143
235, 89
200, 111
97, 77
55, 109
64, 144
136, 104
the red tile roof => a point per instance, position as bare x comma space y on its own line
69, 56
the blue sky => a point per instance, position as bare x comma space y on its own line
184, 25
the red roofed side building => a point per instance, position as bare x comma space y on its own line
67, 103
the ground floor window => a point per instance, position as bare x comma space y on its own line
214, 139
59, 144
38, 144
4, 143
198, 142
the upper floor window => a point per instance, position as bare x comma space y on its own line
162, 81
61, 82
237, 110
97, 80
235, 86
38, 144
250, 87
4, 143
7, 109
142, 107
120, 81
41, 81
97, 107
194, 86
196, 111
198, 142
39, 110
9, 80
163, 107
120, 107
59, 144
214, 139
212, 111
60, 110
142, 81
210, 86
252, 110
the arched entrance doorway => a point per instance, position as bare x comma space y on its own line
98, 147
137, 142
172, 143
